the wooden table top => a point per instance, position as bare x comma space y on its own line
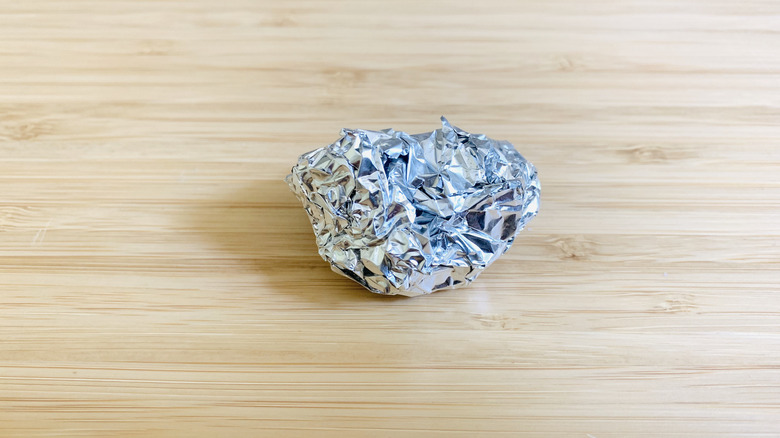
158, 279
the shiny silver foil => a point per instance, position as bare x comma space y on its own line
412, 214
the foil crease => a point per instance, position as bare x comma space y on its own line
413, 214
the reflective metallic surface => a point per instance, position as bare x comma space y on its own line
412, 214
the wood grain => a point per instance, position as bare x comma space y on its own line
158, 279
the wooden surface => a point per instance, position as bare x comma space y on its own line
157, 279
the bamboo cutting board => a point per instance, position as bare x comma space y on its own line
157, 278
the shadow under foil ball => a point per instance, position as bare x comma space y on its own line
413, 214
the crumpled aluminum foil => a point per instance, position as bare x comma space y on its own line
412, 214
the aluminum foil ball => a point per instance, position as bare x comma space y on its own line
412, 214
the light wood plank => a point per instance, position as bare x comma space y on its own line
158, 279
